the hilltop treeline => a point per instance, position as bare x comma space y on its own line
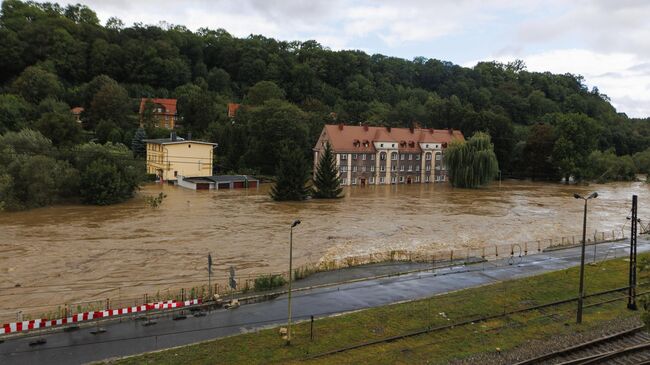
53, 58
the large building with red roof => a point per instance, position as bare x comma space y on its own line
383, 155
163, 112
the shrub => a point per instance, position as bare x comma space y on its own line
268, 282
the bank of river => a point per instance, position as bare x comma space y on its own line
70, 253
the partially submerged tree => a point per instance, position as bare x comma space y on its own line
471, 163
327, 181
292, 177
108, 173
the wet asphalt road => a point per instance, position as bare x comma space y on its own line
131, 337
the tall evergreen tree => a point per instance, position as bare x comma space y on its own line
471, 163
138, 146
292, 177
327, 181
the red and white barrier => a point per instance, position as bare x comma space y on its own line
86, 316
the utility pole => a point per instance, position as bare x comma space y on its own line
631, 301
295, 223
210, 276
581, 290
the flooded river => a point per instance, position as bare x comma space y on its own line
71, 253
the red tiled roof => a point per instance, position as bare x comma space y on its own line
77, 110
360, 138
232, 109
169, 105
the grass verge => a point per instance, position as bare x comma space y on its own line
504, 333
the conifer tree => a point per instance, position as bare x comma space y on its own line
327, 181
292, 177
138, 146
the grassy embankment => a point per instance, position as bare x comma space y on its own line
505, 333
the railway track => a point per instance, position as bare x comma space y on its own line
622, 348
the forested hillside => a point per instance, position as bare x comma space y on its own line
53, 58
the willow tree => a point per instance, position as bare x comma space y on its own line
327, 180
471, 163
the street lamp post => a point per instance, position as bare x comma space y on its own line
295, 223
581, 290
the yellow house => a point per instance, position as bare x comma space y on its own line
170, 157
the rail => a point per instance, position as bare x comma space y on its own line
473, 321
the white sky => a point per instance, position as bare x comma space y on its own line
606, 41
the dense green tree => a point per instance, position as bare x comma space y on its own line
60, 127
496, 125
89, 90
538, 152
7, 198
606, 166
31, 177
327, 182
111, 103
198, 109
577, 137
109, 174
11, 49
14, 112
107, 131
26, 141
471, 163
52, 105
642, 161
218, 80
40, 180
35, 84
292, 177
262, 92
271, 127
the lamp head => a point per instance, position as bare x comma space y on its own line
295, 223
577, 196
593, 195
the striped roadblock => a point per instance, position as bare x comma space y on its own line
87, 316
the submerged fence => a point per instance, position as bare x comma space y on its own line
246, 284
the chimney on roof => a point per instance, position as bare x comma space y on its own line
365, 127
388, 129
431, 130
412, 129
451, 131
340, 126
172, 136
189, 136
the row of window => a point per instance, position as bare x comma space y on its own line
393, 180
382, 168
360, 156
394, 156
155, 158
426, 146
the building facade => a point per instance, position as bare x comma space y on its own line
383, 155
170, 157
162, 112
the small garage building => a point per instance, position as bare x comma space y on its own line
218, 182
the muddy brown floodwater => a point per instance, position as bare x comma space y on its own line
71, 253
